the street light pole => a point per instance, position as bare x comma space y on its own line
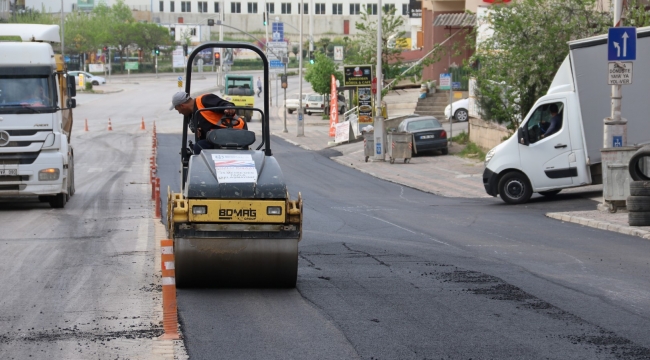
380, 135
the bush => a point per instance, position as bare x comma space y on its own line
89, 86
472, 151
462, 138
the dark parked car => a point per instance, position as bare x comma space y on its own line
427, 132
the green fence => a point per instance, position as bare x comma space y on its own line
460, 74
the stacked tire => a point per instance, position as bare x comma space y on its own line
638, 203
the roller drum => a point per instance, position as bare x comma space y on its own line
239, 262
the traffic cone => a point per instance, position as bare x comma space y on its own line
86, 126
110, 126
142, 124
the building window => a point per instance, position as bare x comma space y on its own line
193, 31
172, 31
186, 6
203, 6
171, 6
306, 8
161, 6
252, 8
337, 9
388, 8
405, 9
270, 8
235, 8
355, 9
286, 8
216, 6
319, 9
371, 9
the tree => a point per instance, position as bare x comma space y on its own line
319, 75
518, 62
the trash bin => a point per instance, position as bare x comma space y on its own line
616, 176
368, 144
399, 146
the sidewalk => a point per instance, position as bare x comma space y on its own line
449, 176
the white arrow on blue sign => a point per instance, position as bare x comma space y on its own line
621, 44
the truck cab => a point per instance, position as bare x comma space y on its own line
36, 101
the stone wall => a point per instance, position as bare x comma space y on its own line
486, 134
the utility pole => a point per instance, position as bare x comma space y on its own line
615, 125
300, 124
380, 133
311, 25
62, 31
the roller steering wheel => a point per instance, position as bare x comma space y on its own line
228, 121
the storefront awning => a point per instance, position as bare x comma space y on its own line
456, 20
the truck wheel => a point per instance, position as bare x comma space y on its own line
550, 193
514, 188
640, 188
290, 111
638, 218
58, 201
461, 115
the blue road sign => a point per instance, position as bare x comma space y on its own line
180, 78
617, 141
378, 148
277, 31
621, 44
299, 116
456, 85
276, 64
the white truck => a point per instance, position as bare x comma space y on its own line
530, 163
36, 102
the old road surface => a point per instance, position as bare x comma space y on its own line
385, 271
389, 272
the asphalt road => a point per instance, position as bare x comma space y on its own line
389, 272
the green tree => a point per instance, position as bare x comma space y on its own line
518, 62
319, 75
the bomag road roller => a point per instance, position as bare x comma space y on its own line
233, 223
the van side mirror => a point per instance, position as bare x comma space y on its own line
522, 135
72, 86
71, 103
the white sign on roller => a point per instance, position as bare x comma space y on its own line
342, 132
235, 168
620, 73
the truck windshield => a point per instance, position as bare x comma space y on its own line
23, 94
240, 86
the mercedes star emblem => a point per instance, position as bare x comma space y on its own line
4, 138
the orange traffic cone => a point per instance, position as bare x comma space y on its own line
86, 126
110, 126
142, 124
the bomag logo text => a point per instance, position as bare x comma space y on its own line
247, 214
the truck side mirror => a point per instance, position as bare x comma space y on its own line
71, 103
72, 86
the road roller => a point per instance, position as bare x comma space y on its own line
233, 223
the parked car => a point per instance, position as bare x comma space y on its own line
341, 104
427, 132
88, 77
459, 109
315, 104
292, 102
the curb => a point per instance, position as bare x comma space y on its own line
602, 225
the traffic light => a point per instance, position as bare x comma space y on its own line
105, 49
311, 57
264, 14
217, 59
157, 50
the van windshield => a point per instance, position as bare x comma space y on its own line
24, 94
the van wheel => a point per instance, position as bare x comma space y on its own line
514, 188
290, 111
309, 113
58, 201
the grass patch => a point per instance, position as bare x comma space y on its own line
462, 138
472, 151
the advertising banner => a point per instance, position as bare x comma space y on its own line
365, 105
178, 60
334, 108
95, 68
357, 75
342, 132
415, 9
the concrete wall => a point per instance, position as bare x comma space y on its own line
486, 134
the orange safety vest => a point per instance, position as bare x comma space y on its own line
213, 117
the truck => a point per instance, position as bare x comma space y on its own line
530, 163
240, 91
36, 102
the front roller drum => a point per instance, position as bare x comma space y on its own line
239, 262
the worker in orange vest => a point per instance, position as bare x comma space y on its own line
205, 121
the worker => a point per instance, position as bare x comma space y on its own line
205, 121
